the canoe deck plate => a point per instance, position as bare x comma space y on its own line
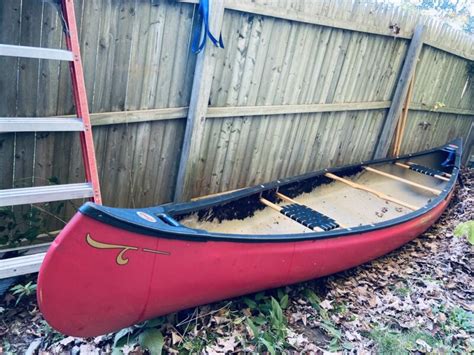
309, 217
427, 171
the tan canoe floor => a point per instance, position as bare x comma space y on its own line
348, 206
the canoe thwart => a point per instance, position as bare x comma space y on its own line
406, 181
372, 191
270, 204
424, 170
285, 198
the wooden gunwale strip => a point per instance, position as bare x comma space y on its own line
278, 209
215, 195
372, 191
289, 199
406, 181
406, 166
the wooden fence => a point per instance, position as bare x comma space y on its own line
300, 85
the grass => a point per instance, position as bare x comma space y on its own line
403, 291
394, 342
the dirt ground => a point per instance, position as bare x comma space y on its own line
418, 299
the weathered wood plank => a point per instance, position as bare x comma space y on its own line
172, 73
47, 105
48, 87
401, 91
249, 145
198, 107
10, 16
216, 132
467, 154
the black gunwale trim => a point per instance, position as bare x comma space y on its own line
102, 213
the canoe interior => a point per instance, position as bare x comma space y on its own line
350, 207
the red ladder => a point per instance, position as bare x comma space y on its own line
90, 188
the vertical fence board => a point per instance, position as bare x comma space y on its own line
10, 16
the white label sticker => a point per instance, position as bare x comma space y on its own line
146, 216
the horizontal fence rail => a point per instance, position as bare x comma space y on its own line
112, 118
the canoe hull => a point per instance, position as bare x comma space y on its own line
97, 278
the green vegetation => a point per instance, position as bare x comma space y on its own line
389, 341
461, 319
147, 334
465, 230
15, 228
336, 342
267, 323
21, 291
22, 225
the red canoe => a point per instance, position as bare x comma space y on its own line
111, 268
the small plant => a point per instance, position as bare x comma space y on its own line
23, 290
466, 230
461, 319
336, 341
147, 334
403, 291
268, 327
49, 333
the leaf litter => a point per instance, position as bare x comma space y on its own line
417, 299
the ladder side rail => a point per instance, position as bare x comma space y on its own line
80, 99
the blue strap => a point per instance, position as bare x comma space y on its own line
204, 15
449, 158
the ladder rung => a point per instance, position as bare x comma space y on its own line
40, 124
21, 265
28, 248
27, 195
35, 52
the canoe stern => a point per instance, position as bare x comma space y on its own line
97, 276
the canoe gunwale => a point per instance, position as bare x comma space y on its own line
109, 216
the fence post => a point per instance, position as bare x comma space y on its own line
467, 146
401, 91
196, 118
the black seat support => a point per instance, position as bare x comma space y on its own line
309, 217
424, 170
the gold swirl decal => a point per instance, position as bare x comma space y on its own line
121, 258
